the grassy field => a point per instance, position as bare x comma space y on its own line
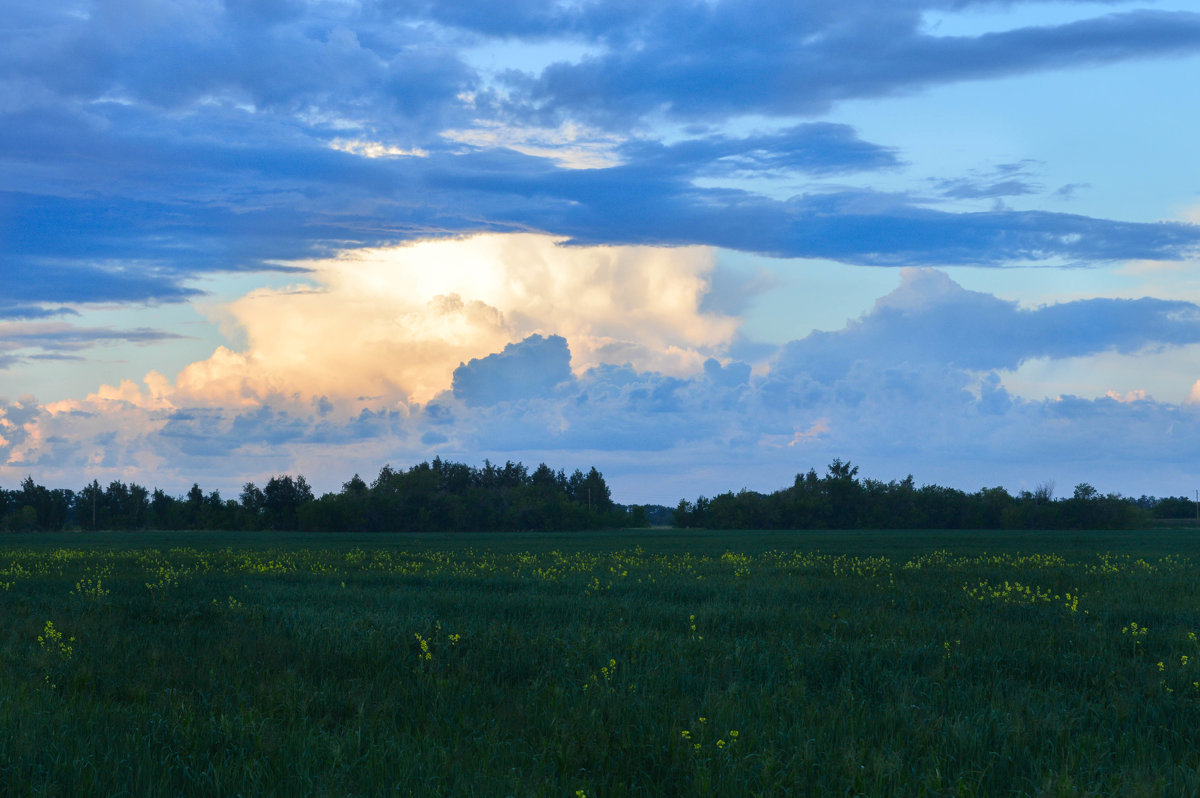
633, 663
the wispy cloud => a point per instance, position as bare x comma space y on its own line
55, 340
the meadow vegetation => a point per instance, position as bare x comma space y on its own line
629, 663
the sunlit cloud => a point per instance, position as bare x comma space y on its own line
1137, 395
570, 145
1194, 395
395, 323
480, 348
799, 437
376, 149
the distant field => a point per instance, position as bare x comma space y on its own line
601, 664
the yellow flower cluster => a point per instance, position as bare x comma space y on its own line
1136, 632
603, 679
92, 587
425, 655
57, 648
230, 603
697, 741
1016, 593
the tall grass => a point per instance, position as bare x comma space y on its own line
880, 664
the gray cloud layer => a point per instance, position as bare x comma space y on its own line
800, 58
142, 144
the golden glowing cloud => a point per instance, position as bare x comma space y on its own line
392, 324
1193, 397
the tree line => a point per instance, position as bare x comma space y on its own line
840, 500
446, 496
427, 497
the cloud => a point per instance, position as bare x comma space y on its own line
733, 291
395, 323
870, 228
53, 340
755, 57
817, 148
20, 310
526, 370
359, 147
570, 146
1005, 180
914, 387
932, 319
142, 146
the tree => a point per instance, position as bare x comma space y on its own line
193, 508
51, 507
253, 505
544, 477
599, 497
164, 510
90, 509
842, 472
282, 498
842, 489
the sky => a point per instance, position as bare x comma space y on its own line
702, 245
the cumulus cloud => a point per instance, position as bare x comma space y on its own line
529, 369
931, 319
394, 324
932, 404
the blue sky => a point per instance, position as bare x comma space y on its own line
701, 245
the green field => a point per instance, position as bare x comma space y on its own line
631, 663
